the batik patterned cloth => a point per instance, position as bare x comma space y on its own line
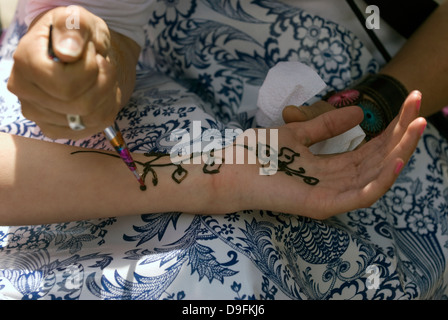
205, 61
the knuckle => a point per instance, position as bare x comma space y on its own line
329, 124
17, 55
20, 56
102, 37
11, 85
28, 111
306, 112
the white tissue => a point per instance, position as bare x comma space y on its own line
294, 83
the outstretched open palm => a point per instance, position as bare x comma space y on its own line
342, 182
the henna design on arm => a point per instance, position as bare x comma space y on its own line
286, 159
284, 166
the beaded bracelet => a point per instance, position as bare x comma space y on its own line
380, 97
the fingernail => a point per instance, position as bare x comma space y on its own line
423, 129
419, 102
69, 47
399, 167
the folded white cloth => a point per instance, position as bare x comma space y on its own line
294, 83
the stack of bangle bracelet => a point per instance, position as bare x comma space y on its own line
380, 97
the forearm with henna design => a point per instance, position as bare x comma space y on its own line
286, 161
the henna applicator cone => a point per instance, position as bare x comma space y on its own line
115, 138
112, 133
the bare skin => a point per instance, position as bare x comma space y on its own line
98, 81
94, 78
91, 185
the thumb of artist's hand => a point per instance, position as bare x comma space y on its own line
68, 46
73, 29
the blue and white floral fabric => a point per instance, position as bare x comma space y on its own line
205, 60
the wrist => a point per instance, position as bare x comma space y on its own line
248, 165
229, 183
